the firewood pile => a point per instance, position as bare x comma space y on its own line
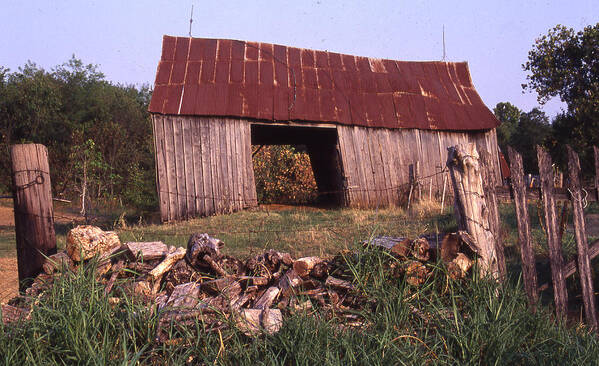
200, 282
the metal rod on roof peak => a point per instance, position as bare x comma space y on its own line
444, 55
190, 20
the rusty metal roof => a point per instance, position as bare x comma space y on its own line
222, 77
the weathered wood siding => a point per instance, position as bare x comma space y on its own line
203, 166
376, 161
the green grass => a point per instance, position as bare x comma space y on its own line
474, 322
299, 231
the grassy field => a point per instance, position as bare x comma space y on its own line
473, 322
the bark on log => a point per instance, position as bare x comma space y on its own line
199, 245
560, 293
146, 251
338, 283
303, 266
529, 272
171, 258
56, 262
470, 206
596, 155
584, 263
184, 296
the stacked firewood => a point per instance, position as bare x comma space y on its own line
200, 282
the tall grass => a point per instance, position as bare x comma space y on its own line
442, 322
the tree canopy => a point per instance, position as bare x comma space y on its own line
78, 114
564, 63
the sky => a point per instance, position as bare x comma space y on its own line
124, 37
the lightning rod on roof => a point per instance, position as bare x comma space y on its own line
190, 20
444, 55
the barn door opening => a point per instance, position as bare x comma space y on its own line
320, 143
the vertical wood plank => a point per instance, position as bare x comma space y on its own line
232, 160
161, 170
204, 126
584, 262
188, 167
350, 168
365, 166
170, 169
180, 168
555, 251
251, 182
217, 188
33, 210
529, 272
224, 181
197, 157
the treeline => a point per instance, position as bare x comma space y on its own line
98, 134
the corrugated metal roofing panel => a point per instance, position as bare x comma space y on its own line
197, 76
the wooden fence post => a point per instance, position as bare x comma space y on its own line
34, 216
529, 271
470, 206
596, 154
560, 293
490, 183
584, 263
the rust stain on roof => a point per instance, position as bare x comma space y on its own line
221, 77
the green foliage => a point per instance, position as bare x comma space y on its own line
283, 175
565, 64
523, 131
82, 119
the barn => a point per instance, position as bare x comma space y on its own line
369, 125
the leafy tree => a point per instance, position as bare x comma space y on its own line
565, 64
85, 121
509, 116
522, 131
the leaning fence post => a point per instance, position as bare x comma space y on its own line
596, 154
584, 263
489, 176
34, 216
560, 293
529, 271
470, 206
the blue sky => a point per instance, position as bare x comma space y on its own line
124, 37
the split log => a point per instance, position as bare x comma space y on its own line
56, 262
416, 272
115, 273
146, 251
86, 241
320, 270
289, 281
200, 245
339, 283
171, 258
420, 249
214, 266
184, 296
253, 321
303, 266
266, 300
470, 206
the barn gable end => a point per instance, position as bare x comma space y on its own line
212, 97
